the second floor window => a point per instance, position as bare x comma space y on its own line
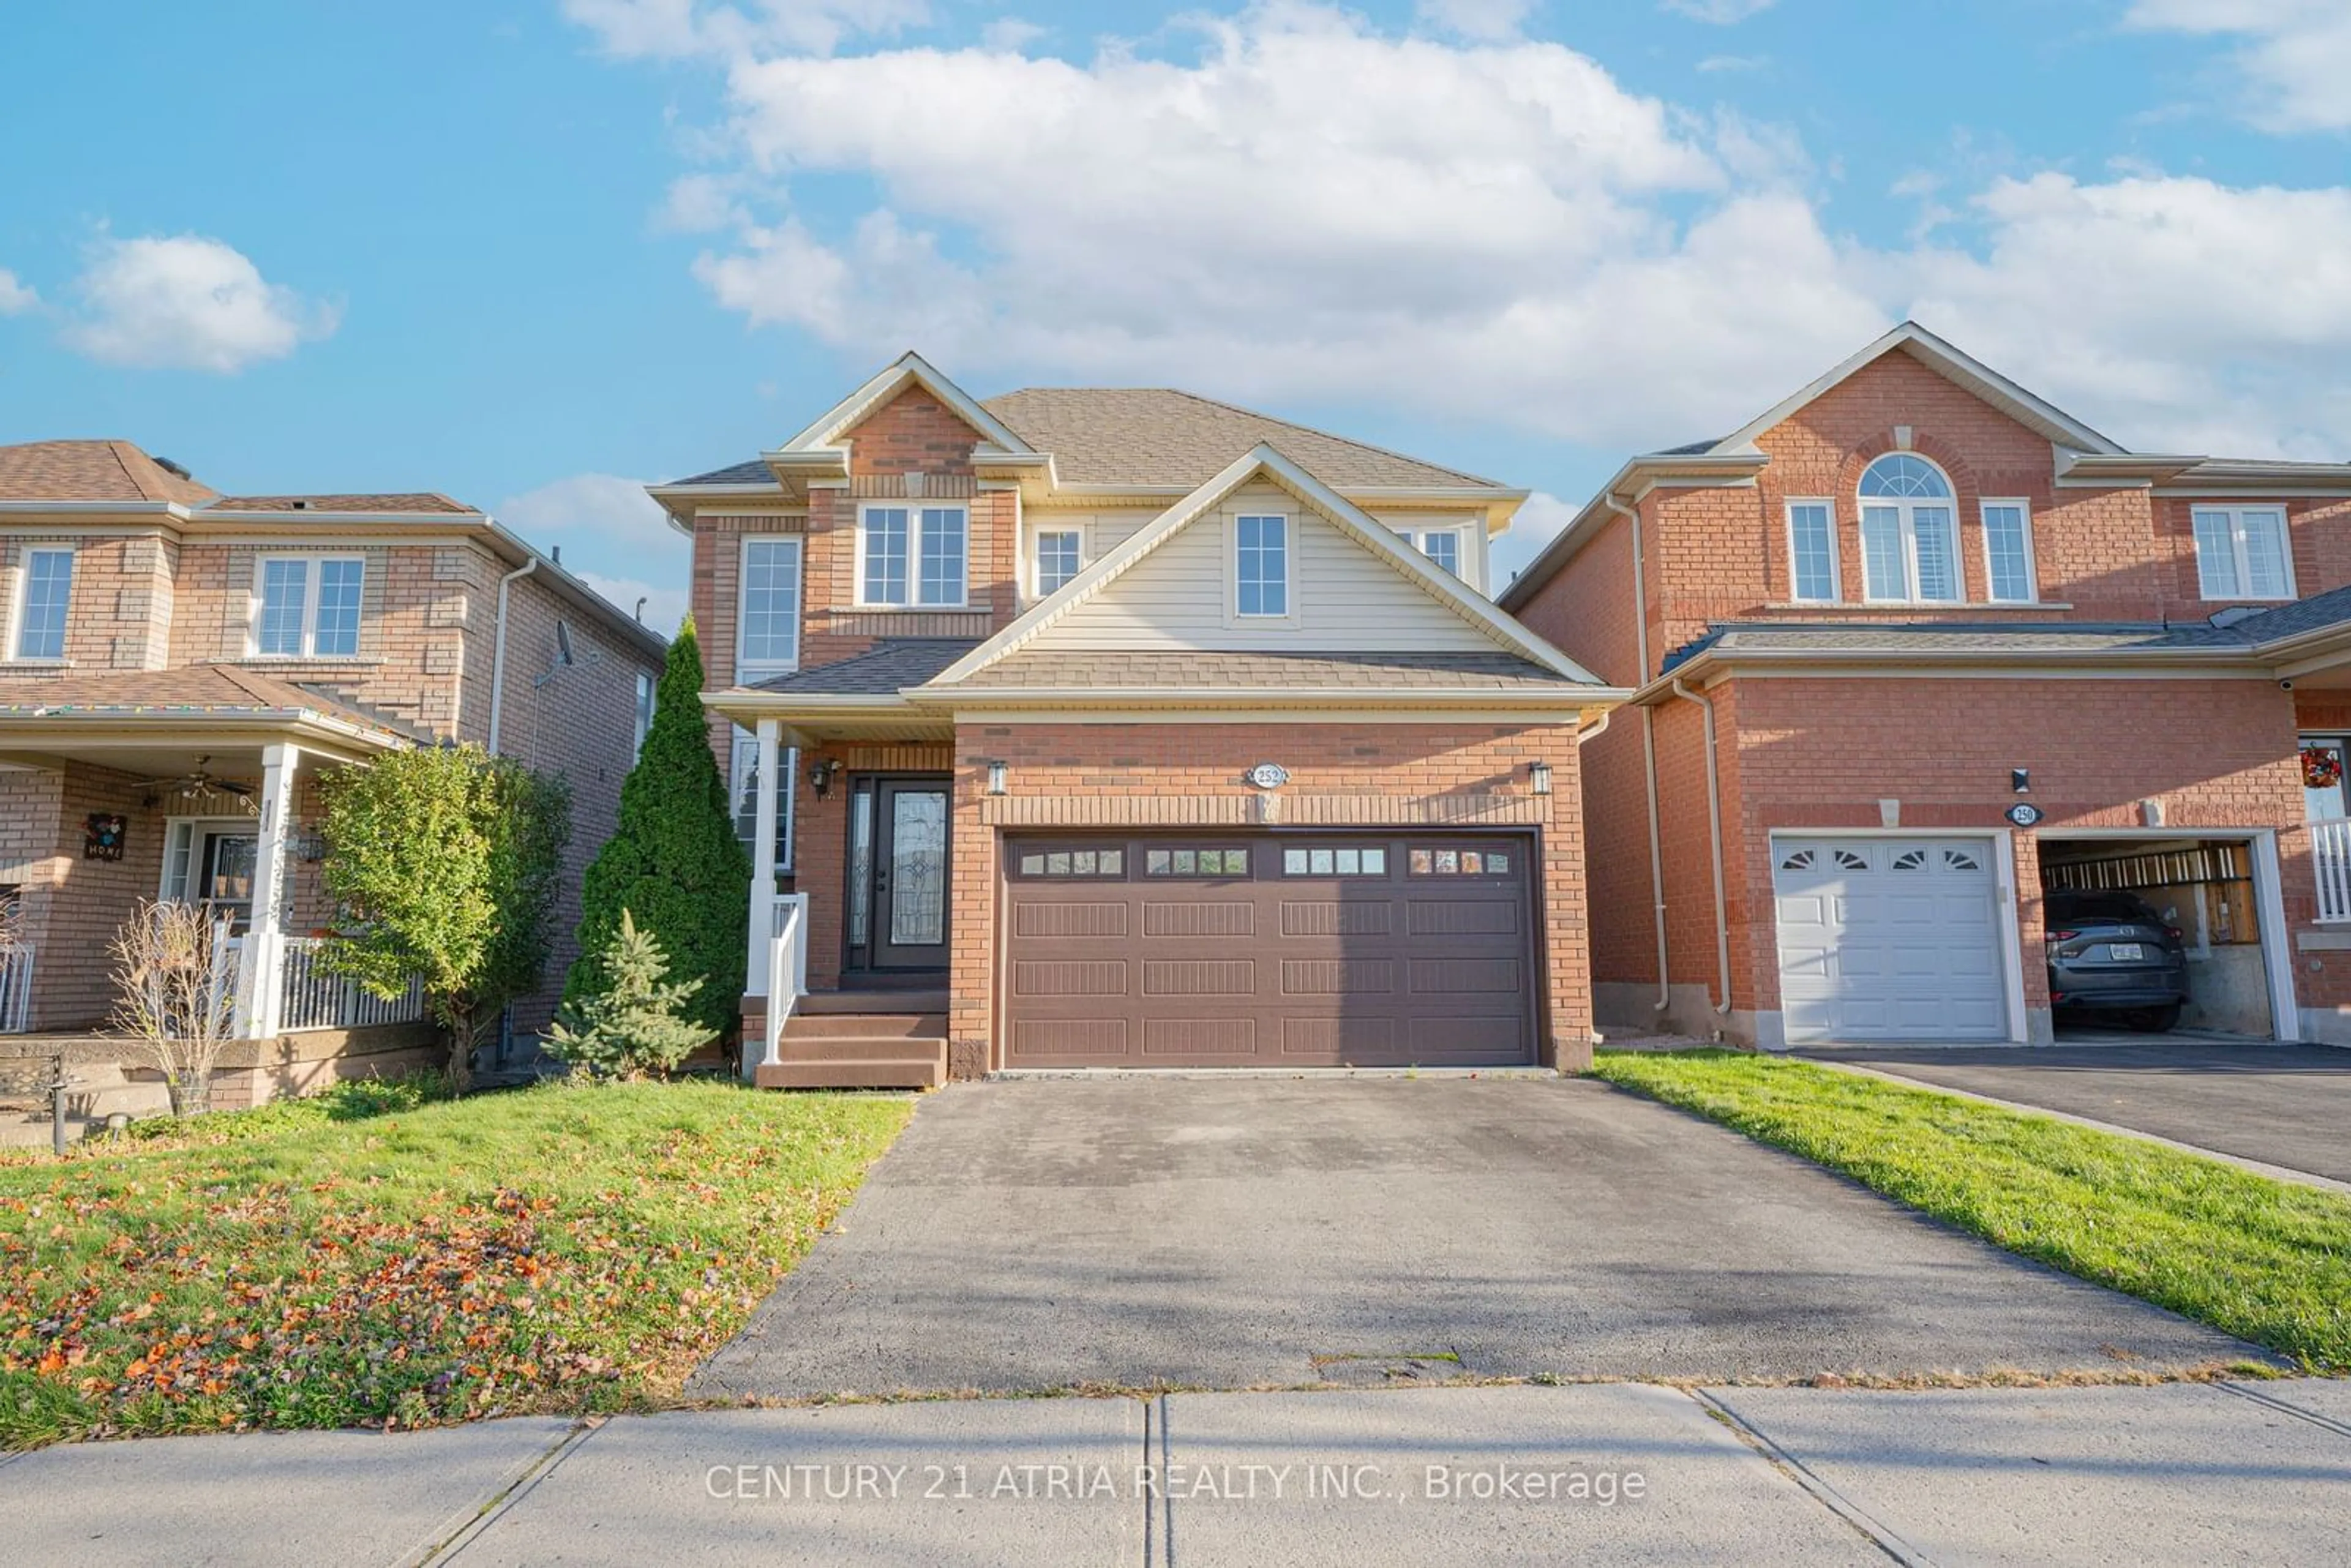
913, 556
308, 607
2241, 553
1441, 545
1057, 558
1812, 552
41, 615
768, 627
1907, 551
2008, 552
1261, 565
646, 691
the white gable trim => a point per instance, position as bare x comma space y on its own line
1333, 508
1977, 377
887, 383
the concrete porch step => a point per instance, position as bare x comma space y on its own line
865, 1026
889, 1003
865, 1048
901, 1074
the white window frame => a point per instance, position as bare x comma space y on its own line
914, 508
1234, 615
1836, 567
746, 669
743, 762
1418, 540
20, 603
1036, 589
2032, 571
312, 601
1906, 524
648, 695
2236, 516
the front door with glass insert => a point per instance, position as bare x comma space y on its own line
898, 861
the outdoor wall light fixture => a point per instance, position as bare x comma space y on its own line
2021, 780
820, 776
997, 773
1539, 778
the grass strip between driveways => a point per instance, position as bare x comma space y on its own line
2265, 1260
383, 1255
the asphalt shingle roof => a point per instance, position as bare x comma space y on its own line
1188, 671
755, 472
91, 471
1153, 435
1946, 638
209, 690
422, 502
882, 670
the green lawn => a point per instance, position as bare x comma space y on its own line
2265, 1260
383, 1255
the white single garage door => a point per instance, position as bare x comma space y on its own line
1889, 938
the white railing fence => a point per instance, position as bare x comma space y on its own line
315, 996
786, 970
2330, 858
15, 987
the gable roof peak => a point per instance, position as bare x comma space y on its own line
909, 369
1267, 460
1955, 365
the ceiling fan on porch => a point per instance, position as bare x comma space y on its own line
201, 782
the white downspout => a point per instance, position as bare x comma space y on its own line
1648, 753
1714, 827
498, 655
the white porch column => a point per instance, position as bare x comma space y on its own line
763, 856
261, 986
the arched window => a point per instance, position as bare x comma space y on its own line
1910, 549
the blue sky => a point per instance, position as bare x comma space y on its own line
535, 252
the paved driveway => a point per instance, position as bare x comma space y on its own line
1227, 1233
2282, 1104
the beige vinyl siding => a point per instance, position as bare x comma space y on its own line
1345, 598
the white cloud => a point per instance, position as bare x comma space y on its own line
1721, 13
15, 297
615, 536
2294, 54
1713, 63
1541, 519
678, 29
1494, 232
2187, 315
186, 302
665, 602
1484, 19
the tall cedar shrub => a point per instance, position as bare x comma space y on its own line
673, 861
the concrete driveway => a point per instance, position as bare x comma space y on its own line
2286, 1106
1239, 1232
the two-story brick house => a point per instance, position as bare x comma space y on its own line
1126, 728
1914, 647
178, 670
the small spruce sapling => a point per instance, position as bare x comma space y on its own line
635, 1024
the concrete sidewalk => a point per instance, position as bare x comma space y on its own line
2247, 1472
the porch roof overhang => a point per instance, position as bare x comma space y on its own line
115, 719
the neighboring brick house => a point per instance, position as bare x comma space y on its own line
1125, 729
179, 668
1908, 602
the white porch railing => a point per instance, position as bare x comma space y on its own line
16, 989
315, 996
2330, 858
786, 975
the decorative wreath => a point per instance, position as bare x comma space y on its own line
2322, 768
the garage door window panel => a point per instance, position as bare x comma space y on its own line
1200, 860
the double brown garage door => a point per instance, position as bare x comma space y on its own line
1268, 950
